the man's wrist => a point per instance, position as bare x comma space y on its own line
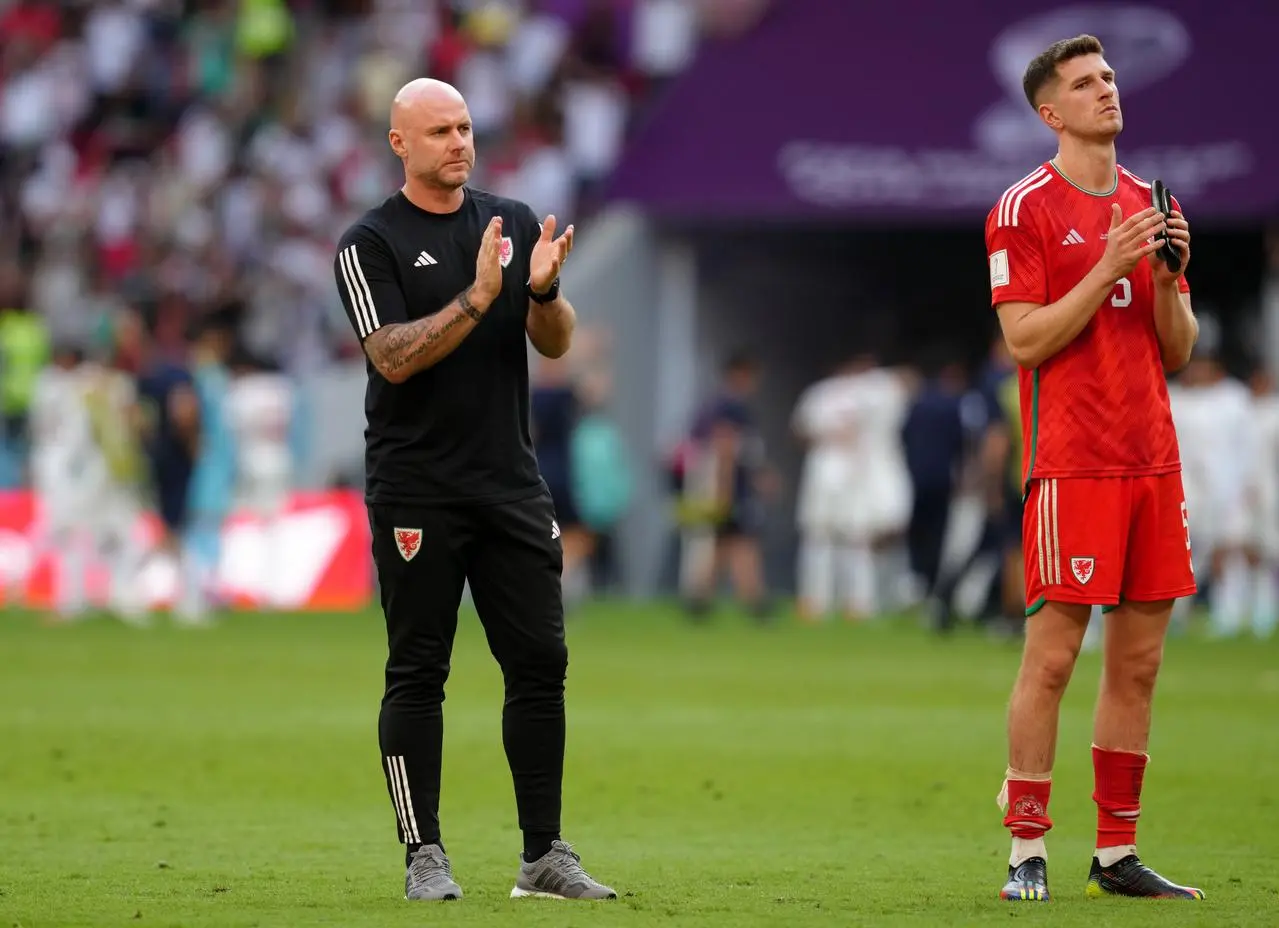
549, 295
1103, 275
473, 304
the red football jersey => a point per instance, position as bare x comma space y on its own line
1099, 407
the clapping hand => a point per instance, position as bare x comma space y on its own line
549, 255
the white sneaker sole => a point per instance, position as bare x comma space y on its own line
518, 893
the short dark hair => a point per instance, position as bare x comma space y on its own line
1042, 69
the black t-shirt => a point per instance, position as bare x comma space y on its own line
457, 432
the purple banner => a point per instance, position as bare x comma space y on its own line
914, 109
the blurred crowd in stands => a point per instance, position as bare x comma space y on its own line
189, 157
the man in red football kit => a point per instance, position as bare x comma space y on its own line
1095, 320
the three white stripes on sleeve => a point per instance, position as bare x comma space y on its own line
357, 288
399, 781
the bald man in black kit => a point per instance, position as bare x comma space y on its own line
443, 283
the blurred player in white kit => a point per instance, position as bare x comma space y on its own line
824, 421
1265, 506
86, 469
1213, 414
66, 473
260, 410
880, 495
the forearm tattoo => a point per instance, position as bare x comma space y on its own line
396, 347
464, 301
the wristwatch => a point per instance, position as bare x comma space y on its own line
548, 297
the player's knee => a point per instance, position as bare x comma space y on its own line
418, 676
551, 661
544, 665
1049, 668
1135, 667
418, 689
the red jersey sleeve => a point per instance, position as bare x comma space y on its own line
1018, 273
1182, 284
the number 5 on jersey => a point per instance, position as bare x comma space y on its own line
1122, 295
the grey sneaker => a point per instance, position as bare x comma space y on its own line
429, 875
559, 875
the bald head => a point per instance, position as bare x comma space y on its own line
421, 98
431, 133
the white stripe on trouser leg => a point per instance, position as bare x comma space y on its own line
397, 797
1056, 546
1040, 496
397, 763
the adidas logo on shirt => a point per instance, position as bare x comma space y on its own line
424, 260
1073, 238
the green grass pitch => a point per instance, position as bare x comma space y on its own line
726, 775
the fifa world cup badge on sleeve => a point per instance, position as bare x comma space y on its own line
999, 269
409, 541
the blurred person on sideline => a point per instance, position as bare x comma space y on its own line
262, 414
1264, 505
114, 414
1213, 414
880, 498
824, 422
213, 480
170, 427
1002, 456
553, 412
997, 466
66, 474
602, 477
723, 495
934, 440
24, 351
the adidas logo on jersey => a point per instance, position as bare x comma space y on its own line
1073, 238
424, 260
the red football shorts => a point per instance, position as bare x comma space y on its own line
1100, 540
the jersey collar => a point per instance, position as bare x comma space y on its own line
1053, 166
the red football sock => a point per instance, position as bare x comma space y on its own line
1027, 815
1118, 776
